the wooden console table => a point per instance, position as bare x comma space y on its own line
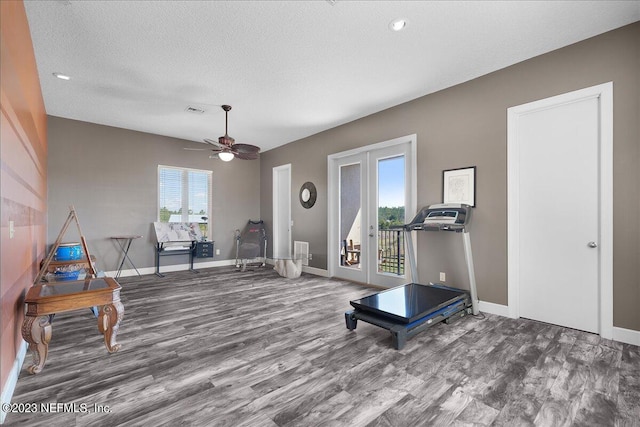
45, 299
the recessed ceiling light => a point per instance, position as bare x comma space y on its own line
397, 24
62, 76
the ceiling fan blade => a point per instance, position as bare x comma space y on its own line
215, 143
246, 148
246, 156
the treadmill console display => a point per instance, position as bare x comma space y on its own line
443, 216
410, 302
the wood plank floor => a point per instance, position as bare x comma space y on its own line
227, 348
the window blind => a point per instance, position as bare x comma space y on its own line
185, 195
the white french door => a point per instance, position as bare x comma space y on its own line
372, 189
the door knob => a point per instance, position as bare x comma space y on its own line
592, 244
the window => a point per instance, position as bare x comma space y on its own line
184, 195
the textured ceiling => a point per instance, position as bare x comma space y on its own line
289, 69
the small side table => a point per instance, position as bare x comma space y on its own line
125, 243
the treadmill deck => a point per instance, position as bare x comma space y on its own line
409, 309
410, 302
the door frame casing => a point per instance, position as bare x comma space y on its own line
333, 256
604, 94
277, 208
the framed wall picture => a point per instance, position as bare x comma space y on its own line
459, 186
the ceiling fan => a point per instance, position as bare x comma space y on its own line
225, 147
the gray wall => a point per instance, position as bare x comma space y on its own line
466, 125
110, 176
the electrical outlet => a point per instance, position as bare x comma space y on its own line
443, 277
217, 251
12, 230
310, 256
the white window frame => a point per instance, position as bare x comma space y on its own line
185, 194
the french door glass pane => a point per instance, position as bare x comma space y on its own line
391, 213
350, 216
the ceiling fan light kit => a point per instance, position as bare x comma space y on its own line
225, 156
226, 148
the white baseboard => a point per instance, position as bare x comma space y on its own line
306, 269
209, 264
316, 271
10, 385
492, 308
171, 268
628, 336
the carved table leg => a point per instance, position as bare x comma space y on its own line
37, 332
109, 322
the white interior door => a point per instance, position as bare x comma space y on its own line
362, 184
282, 212
556, 237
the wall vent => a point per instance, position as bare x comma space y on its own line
301, 251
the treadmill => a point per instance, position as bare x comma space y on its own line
409, 309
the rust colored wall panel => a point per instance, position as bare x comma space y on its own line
16, 152
23, 175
